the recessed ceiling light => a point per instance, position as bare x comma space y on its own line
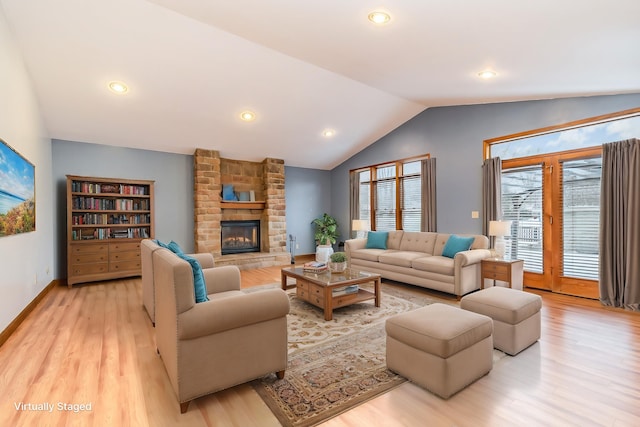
378, 17
247, 116
328, 133
118, 87
487, 74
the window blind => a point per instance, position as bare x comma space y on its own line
522, 205
411, 196
385, 198
580, 201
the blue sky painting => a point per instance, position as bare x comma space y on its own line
17, 179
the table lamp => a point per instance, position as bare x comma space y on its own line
499, 229
360, 225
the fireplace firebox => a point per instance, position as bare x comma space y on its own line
240, 236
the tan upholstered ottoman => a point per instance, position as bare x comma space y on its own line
440, 347
515, 314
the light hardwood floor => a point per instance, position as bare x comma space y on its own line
94, 344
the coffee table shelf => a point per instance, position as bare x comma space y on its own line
317, 288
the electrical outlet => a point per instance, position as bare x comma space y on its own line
47, 271
35, 279
475, 214
297, 246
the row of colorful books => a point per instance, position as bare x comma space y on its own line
91, 203
91, 187
108, 233
90, 219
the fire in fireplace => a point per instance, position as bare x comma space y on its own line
240, 236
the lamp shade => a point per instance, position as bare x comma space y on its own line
360, 225
499, 228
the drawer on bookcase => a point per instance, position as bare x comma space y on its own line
89, 257
124, 256
84, 269
93, 247
125, 266
124, 247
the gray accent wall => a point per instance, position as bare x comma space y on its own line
308, 196
454, 136
172, 173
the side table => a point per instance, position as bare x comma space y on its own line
510, 271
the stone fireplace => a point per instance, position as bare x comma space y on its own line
240, 236
266, 180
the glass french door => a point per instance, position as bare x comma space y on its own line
553, 202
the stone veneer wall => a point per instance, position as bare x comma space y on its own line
273, 220
266, 179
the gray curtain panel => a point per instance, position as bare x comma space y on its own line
354, 202
620, 225
429, 209
491, 192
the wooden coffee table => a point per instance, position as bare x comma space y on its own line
318, 288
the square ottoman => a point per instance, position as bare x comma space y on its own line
515, 314
440, 347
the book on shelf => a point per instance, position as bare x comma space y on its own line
108, 188
315, 267
347, 290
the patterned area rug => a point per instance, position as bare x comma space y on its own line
334, 365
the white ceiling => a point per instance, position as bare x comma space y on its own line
303, 66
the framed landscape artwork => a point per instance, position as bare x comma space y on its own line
17, 192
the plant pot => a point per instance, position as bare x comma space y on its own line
323, 252
338, 266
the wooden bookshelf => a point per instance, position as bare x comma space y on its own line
106, 220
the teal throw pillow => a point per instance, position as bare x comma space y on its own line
175, 248
456, 244
162, 245
377, 240
199, 286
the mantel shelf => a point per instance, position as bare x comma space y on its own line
242, 205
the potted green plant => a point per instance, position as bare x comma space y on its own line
326, 233
338, 261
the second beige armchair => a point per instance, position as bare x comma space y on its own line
233, 338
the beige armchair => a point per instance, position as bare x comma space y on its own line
147, 247
233, 338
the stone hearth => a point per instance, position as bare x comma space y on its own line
266, 180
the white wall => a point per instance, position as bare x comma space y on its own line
26, 260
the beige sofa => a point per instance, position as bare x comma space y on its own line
416, 258
233, 338
147, 247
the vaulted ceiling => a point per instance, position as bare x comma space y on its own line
303, 67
